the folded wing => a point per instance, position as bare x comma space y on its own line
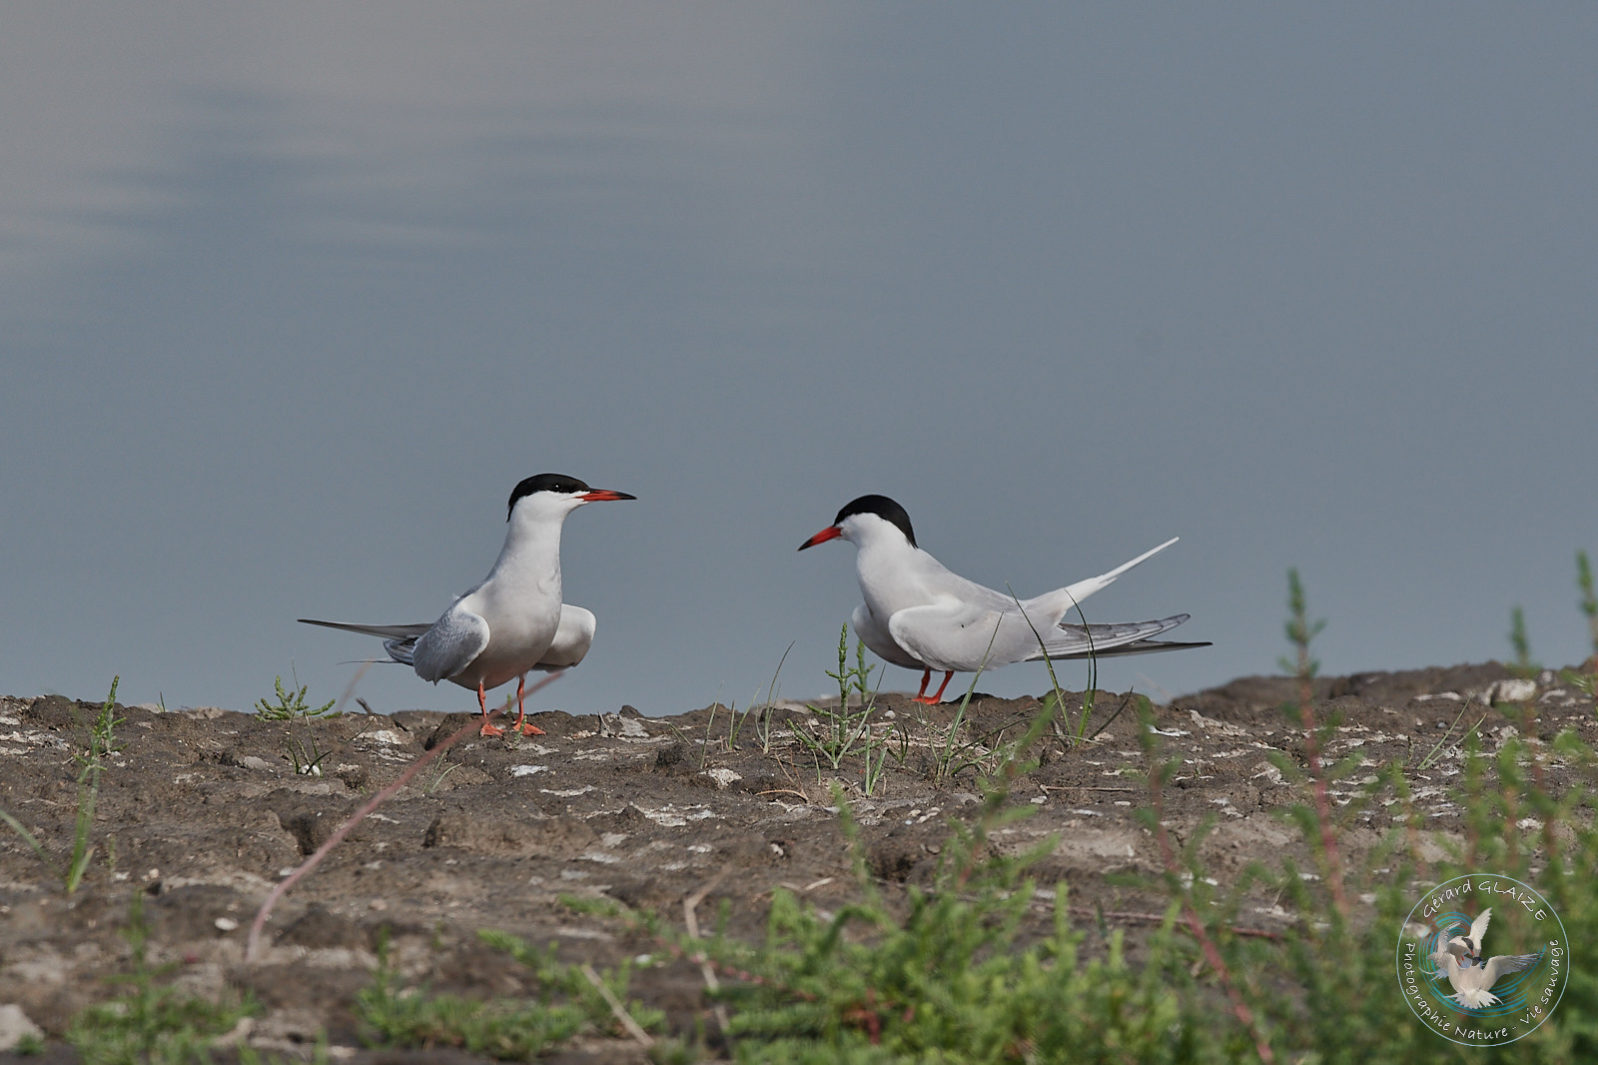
447, 647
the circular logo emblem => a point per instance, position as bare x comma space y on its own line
1479, 989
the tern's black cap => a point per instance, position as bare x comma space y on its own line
882, 507
545, 482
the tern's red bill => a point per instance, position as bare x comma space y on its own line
831, 532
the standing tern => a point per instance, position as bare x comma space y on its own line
920, 615
513, 621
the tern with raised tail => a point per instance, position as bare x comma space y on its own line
513, 621
920, 615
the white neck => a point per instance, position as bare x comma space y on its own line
531, 555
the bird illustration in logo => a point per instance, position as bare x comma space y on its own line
1472, 977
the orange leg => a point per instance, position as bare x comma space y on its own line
922, 697
482, 704
921, 692
523, 726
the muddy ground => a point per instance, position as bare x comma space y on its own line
202, 812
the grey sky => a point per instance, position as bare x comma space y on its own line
293, 295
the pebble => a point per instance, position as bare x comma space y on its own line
15, 1027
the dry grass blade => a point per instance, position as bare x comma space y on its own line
691, 922
643, 1038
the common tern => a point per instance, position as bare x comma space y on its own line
513, 621
1471, 977
920, 615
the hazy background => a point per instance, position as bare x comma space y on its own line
292, 295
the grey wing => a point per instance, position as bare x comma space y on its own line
952, 635
573, 638
1123, 638
1504, 964
449, 645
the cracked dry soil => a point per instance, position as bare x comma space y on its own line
201, 811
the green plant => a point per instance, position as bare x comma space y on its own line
761, 711
1585, 678
1185, 882
304, 752
1054, 699
500, 1028
1436, 751
959, 971
569, 999
27, 837
956, 748
950, 976
306, 756
1323, 991
152, 1023
873, 763
100, 745
574, 982
763, 723
291, 704
1316, 823
837, 733
1523, 665
1589, 597
953, 749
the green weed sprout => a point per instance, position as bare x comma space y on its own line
569, 999
1585, 679
152, 1023
844, 732
102, 743
306, 754
1523, 665
1589, 598
291, 704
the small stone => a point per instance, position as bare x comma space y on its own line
1512, 690
16, 1027
226, 924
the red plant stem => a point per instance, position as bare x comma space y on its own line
1212, 954
1323, 808
252, 946
1540, 784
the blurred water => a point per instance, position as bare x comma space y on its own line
292, 296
